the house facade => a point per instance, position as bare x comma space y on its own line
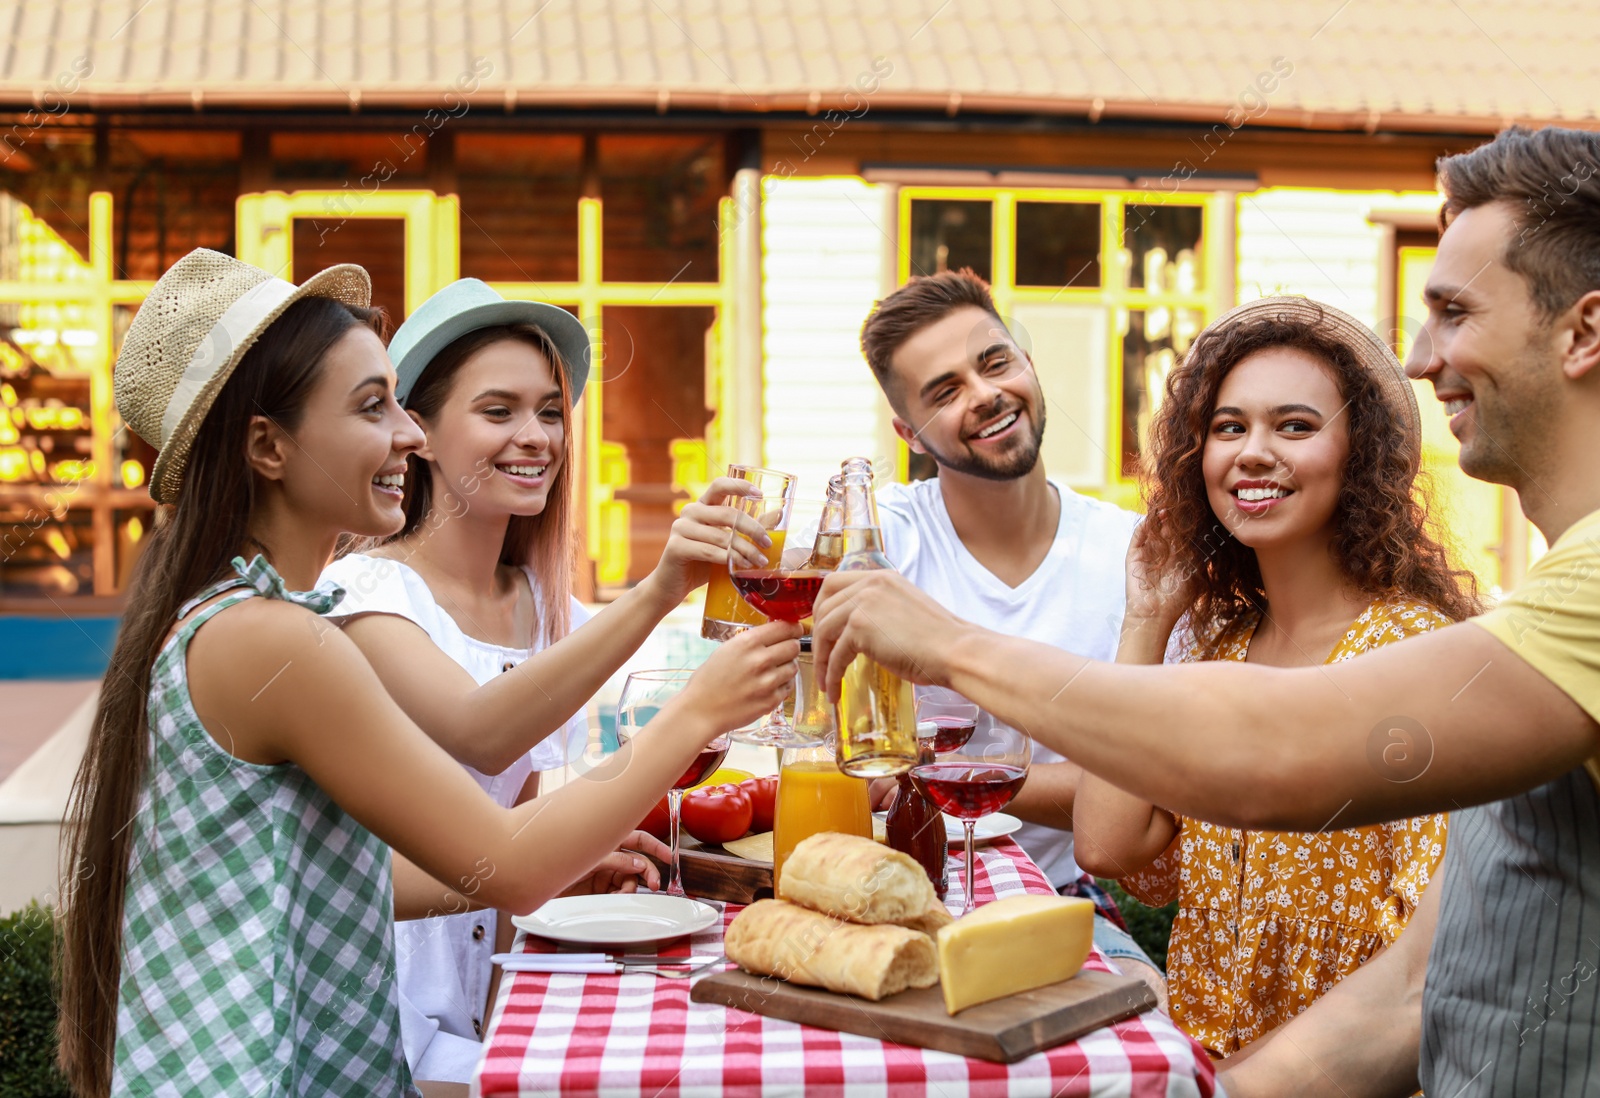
721, 191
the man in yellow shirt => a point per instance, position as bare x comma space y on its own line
1495, 986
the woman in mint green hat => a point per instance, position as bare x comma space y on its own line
466, 614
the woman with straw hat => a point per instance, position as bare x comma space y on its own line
465, 614
228, 924
1282, 462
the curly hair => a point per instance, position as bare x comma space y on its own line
1384, 540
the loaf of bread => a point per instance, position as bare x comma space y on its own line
857, 879
929, 921
774, 938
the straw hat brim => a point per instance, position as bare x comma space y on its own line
1371, 351
344, 282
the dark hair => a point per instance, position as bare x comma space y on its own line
189, 548
543, 541
1384, 539
1551, 177
925, 300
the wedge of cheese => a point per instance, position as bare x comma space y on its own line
1012, 945
752, 848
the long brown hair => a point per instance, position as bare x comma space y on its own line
543, 542
188, 550
1384, 540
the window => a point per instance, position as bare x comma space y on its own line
947, 236
1105, 289
1058, 244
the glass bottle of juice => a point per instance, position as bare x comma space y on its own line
813, 796
877, 716
915, 825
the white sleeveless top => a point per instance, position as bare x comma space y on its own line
443, 963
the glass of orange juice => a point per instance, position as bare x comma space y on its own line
727, 614
815, 796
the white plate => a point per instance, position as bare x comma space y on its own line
996, 825
618, 918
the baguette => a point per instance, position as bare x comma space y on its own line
774, 938
929, 921
857, 879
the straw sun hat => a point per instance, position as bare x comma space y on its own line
1373, 353
190, 333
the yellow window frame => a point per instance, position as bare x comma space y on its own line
1112, 295
591, 294
99, 291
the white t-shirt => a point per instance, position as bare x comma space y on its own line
443, 964
1073, 600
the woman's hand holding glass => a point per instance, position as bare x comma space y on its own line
698, 540
741, 680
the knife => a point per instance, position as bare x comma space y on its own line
587, 962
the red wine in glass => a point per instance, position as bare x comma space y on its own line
704, 764
968, 791
953, 734
779, 594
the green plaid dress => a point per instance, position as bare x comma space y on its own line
258, 928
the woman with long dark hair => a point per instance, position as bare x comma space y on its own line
465, 614
229, 915
1284, 530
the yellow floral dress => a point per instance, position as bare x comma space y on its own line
1269, 921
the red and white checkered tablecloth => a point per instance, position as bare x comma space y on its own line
640, 1035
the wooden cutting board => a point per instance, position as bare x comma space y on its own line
1004, 1030
711, 873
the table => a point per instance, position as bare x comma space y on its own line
640, 1035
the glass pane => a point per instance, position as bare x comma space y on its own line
519, 206
47, 554
1152, 343
376, 243
1163, 246
948, 235
654, 371
661, 193
45, 426
1058, 244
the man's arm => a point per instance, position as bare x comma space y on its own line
1363, 1037
1048, 795
1435, 722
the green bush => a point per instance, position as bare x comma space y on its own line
28, 1006
1150, 926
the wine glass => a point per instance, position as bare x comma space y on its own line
954, 716
643, 696
726, 615
977, 778
784, 590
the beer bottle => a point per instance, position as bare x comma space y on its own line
877, 714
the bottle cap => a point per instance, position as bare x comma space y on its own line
805, 645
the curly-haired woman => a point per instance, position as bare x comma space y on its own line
1286, 533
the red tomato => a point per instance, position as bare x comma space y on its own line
716, 813
658, 821
763, 793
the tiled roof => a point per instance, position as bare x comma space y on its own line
1407, 64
